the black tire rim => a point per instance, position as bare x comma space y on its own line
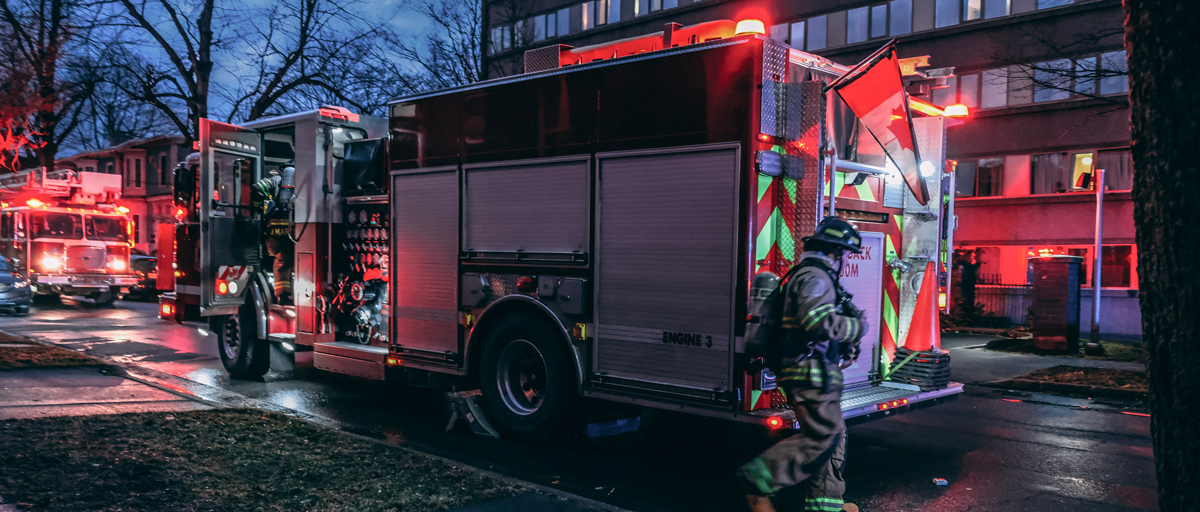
521, 376
230, 339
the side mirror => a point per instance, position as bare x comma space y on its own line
184, 186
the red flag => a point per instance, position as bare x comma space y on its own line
875, 93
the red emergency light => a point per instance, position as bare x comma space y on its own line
222, 288
167, 310
775, 422
35, 203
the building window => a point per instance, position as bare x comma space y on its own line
1083, 166
614, 9
797, 35
980, 178
878, 21
588, 15
816, 33
996, 8
993, 90
779, 33
1116, 270
125, 172
972, 9
1114, 69
1052, 80
1085, 76
901, 18
1046, 4
856, 25
164, 170
137, 172
968, 90
152, 234
1118, 168
1048, 173
501, 39
946, 13
137, 229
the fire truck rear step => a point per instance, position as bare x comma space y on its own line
862, 401
352, 359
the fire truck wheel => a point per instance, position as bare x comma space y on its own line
103, 298
242, 353
526, 379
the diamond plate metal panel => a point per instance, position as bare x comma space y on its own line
541, 59
773, 109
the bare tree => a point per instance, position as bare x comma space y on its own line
183, 33
110, 117
1162, 46
1062, 65
302, 50
446, 55
40, 33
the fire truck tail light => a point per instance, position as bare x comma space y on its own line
526, 284
750, 27
167, 310
775, 422
35, 203
222, 288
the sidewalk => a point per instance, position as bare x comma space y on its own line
971, 363
89, 437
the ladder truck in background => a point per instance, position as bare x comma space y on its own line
588, 228
65, 232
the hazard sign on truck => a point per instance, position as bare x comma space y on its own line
587, 228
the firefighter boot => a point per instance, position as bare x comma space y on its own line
759, 503
849, 507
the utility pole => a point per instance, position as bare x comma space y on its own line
1093, 346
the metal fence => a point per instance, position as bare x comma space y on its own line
1010, 302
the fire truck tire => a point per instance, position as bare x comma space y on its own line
242, 353
526, 380
103, 298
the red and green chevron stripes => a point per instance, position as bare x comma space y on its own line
889, 334
776, 237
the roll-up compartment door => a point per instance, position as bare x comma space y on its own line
666, 244
537, 209
424, 262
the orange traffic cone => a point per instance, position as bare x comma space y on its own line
925, 330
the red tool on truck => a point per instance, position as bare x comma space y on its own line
586, 229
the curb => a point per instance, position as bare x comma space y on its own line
1060, 387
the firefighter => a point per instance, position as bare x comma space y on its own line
264, 195
821, 331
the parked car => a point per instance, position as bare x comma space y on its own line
146, 268
15, 293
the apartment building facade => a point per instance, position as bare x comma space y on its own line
1044, 80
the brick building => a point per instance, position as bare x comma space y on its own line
1044, 80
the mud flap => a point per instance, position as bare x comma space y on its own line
466, 409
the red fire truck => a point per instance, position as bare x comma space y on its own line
64, 231
586, 229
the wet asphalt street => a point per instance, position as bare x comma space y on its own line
998, 450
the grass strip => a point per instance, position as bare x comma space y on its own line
224, 459
17, 353
1101, 377
1122, 351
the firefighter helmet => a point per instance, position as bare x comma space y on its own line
835, 231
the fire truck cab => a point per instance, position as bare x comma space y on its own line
64, 231
588, 228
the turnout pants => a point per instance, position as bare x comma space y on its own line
813, 457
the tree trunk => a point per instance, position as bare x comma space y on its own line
1164, 103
